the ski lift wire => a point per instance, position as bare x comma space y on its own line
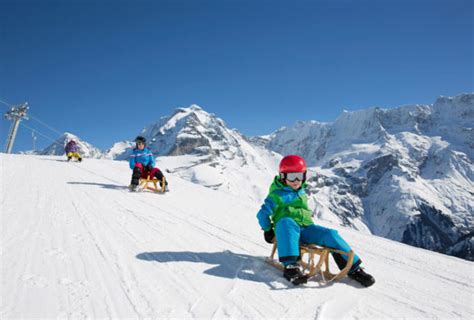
38, 132
45, 124
7, 104
36, 119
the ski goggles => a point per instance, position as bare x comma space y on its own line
293, 176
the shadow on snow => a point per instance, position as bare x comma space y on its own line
234, 265
228, 264
103, 185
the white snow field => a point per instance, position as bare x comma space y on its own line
76, 244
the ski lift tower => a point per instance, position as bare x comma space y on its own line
34, 137
16, 113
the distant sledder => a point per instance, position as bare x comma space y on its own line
72, 151
286, 219
145, 176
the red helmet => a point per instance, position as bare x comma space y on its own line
292, 163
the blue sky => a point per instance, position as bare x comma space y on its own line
105, 69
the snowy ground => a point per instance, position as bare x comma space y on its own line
75, 243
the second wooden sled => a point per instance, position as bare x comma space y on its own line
321, 267
152, 184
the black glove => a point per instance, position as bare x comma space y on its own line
148, 168
269, 235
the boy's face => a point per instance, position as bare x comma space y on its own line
140, 145
295, 185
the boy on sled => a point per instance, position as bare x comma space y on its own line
285, 214
142, 163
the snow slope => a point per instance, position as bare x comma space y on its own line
75, 243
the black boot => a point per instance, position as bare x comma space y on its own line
136, 176
294, 274
362, 277
166, 186
68, 159
159, 176
79, 159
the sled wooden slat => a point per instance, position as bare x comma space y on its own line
152, 184
308, 262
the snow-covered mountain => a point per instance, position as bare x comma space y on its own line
57, 147
120, 150
79, 245
406, 174
199, 147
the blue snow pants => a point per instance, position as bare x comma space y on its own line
289, 235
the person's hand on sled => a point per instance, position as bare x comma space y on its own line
269, 235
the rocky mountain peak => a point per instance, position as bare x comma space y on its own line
57, 147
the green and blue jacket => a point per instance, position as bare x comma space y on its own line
282, 201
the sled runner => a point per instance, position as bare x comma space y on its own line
151, 183
310, 267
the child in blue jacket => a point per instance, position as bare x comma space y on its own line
285, 213
142, 163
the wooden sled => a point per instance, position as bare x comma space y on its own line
152, 184
310, 267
